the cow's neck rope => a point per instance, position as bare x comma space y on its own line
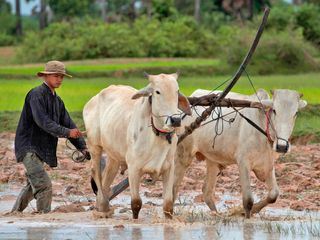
265, 132
268, 122
159, 132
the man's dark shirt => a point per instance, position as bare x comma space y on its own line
44, 118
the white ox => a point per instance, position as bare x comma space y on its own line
136, 129
241, 144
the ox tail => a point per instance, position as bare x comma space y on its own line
93, 183
94, 186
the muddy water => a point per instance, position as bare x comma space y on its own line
192, 221
245, 230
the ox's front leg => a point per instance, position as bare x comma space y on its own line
210, 184
168, 179
273, 192
134, 175
247, 198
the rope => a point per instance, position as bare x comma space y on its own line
76, 155
265, 113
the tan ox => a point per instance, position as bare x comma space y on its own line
136, 129
241, 144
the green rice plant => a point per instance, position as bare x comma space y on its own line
76, 92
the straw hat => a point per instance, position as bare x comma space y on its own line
54, 67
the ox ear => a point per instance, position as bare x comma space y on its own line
145, 92
268, 103
184, 105
302, 104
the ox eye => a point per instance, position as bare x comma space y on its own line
274, 111
157, 92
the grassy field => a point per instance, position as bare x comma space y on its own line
91, 76
77, 91
121, 67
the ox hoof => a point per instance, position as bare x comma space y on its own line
168, 215
168, 209
97, 215
247, 215
135, 207
236, 211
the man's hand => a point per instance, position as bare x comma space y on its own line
75, 133
86, 154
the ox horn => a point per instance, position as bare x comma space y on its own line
272, 92
301, 95
176, 75
146, 75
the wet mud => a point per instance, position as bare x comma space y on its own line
296, 212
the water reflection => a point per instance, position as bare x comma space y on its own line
136, 233
248, 231
241, 230
170, 233
40, 233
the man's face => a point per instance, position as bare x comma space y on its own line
54, 80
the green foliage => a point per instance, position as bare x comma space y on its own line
93, 39
308, 17
282, 48
6, 40
7, 23
30, 23
67, 9
214, 20
163, 9
281, 17
280, 52
5, 7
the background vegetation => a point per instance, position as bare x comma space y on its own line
88, 29
107, 42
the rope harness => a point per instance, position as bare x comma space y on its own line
159, 132
220, 118
265, 132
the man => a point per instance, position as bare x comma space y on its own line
44, 118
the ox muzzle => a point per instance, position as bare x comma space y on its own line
175, 121
282, 145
